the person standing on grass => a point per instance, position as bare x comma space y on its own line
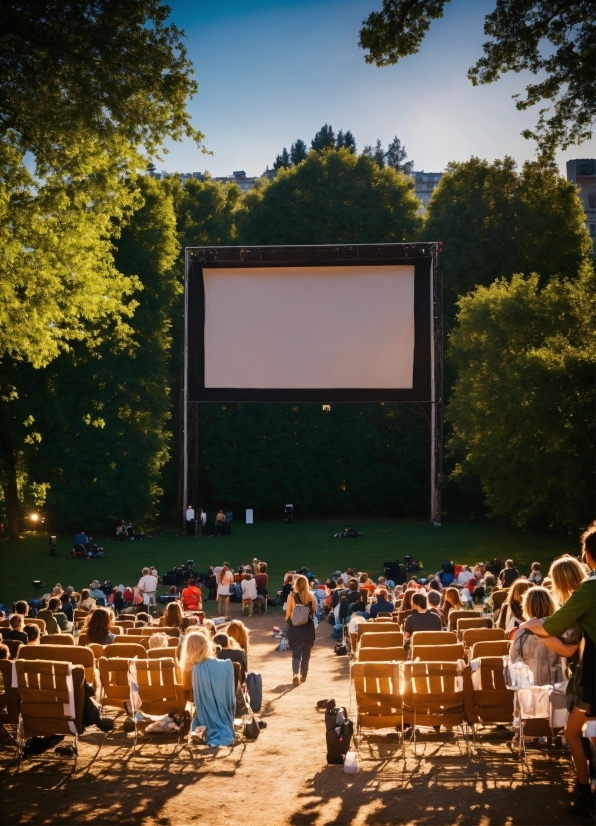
225, 579
578, 613
301, 638
509, 574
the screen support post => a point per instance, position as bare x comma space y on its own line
185, 398
436, 406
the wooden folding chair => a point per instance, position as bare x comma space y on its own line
373, 639
125, 623
41, 624
380, 655
433, 695
75, 654
9, 702
115, 684
470, 636
97, 649
57, 639
437, 653
160, 629
378, 701
14, 646
51, 696
79, 615
498, 597
128, 650
490, 648
374, 627
156, 688
461, 614
488, 701
433, 638
126, 639
402, 616
463, 623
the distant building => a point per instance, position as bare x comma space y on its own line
424, 185
238, 177
582, 171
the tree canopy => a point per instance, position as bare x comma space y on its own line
332, 197
89, 92
522, 410
554, 40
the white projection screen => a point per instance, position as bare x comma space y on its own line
306, 330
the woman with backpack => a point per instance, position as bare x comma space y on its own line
300, 610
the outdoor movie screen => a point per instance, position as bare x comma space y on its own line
319, 332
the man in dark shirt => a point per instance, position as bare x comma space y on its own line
66, 606
81, 539
421, 620
16, 631
509, 574
382, 604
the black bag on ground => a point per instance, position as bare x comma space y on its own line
339, 732
254, 684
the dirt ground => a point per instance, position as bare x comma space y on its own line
283, 777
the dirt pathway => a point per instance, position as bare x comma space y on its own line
283, 778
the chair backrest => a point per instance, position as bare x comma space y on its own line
473, 635
499, 597
461, 613
463, 623
113, 674
51, 697
57, 639
14, 647
79, 615
383, 616
97, 649
380, 655
129, 650
75, 654
403, 615
5, 623
491, 648
433, 692
239, 675
163, 629
378, 701
438, 653
157, 686
374, 639
41, 624
433, 638
126, 639
487, 698
125, 623
9, 696
371, 625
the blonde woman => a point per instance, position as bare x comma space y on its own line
301, 638
511, 614
238, 631
212, 682
567, 574
225, 578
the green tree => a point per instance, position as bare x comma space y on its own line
396, 155
298, 152
546, 37
522, 409
333, 197
283, 161
376, 153
346, 140
324, 139
495, 221
103, 416
88, 92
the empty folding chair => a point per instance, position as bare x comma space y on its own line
378, 701
490, 648
488, 701
115, 684
437, 653
377, 628
433, 695
433, 638
460, 614
463, 623
378, 655
75, 654
51, 696
373, 639
9, 702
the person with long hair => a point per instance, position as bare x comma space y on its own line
406, 603
212, 682
99, 626
545, 664
567, 574
511, 614
225, 579
238, 631
172, 616
301, 638
451, 601
579, 613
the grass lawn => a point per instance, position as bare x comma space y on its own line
283, 547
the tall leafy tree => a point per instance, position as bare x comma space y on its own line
333, 197
396, 155
324, 139
283, 161
546, 37
103, 417
298, 152
346, 140
88, 91
522, 410
495, 221
376, 153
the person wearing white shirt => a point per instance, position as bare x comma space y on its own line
249, 592
190, 520
147, 587
464, 576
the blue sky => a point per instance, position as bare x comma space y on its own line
271, 71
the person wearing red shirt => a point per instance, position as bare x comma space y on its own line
192, 598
